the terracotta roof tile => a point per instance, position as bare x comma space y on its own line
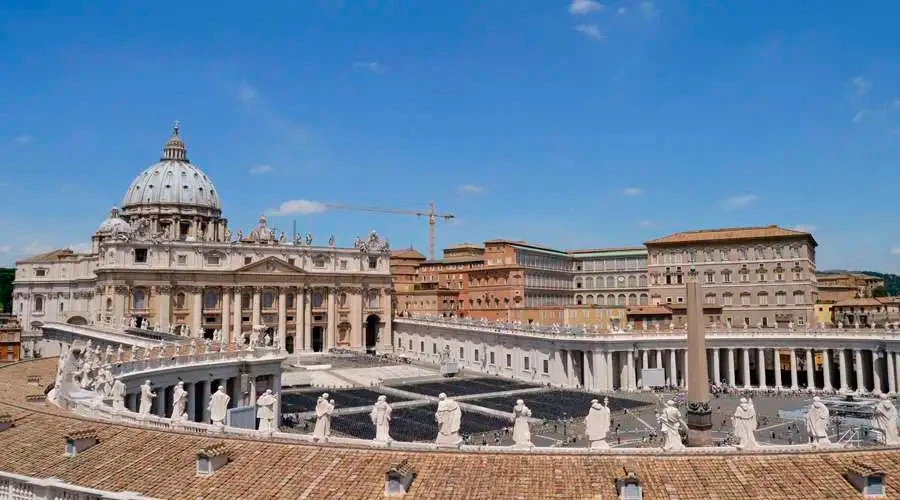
729, 234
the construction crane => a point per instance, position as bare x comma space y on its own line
431, 214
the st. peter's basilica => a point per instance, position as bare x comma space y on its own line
168, 261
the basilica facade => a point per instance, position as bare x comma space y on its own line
169, 261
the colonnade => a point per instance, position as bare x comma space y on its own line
854, 369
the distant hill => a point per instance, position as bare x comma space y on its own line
891, 281
6, 288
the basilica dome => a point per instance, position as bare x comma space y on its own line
174, 181
114, 224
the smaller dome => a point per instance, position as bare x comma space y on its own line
114, 224
262, 233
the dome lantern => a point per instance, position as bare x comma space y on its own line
174, 149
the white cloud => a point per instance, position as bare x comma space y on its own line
581, 7
470, 189
247, 93
861, 115
861, 84
645, 223
895, 250
35, 248
302, 207
373, 66
6, 248
261, 169
806, 228
741, 201
632, 191
648, 9
590, 31
622, 11
22, 139
82, 247
896, 103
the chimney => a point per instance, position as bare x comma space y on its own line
868, 479
211, 458
80, 440
398, 479
6, 421
629, 487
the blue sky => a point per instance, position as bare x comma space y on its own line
569, 124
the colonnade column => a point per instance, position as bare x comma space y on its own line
307, 319
860, 374
731, 381
226, 314
826, 370
587, 360
629, 360
282, 319
236, 320
746, 361
197, 312
659, 363
794, 384
331, 334
205, 393
892, 375
876, 375
557, 369
810, 370
609, 370
776, 365
257, 307
673, 368
164, 303
842, 368
761, 367
645, 360
599, 372
190, 387
685, 376
717, 369
570, 369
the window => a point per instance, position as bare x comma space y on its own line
779, 252
245, 301
212, 260
40, 273
210, 299
38, 303
742, 253
759, 253
745, 299
526, 363
291, 261
723, 255
290, 301
795, 252
434, 348
509, 360
780, 298
711, 298
344, 264
779, 276
319, 261
421, 346
492, 357
268, 300
726, 276
745, 277
546, 366
138, 300
800, 298
680, 300
477, 355
317, 300
762, 277
62, 306
410, 344
248, 260
373, 262
140, 255
727, 299
182, 260
710, 278
763, 298
462, 353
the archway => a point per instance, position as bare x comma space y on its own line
372, 327
318, 339
77, 320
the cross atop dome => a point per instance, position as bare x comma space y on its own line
174, 149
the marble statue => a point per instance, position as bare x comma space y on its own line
118, 395
309, 239
381, 417
132, 322
240, 235
268, 340
179, 403
596, 424
448, 417
187, 330
671, 421
671, 326
120, 354
840, 325
109, 354
331, 241
227, 234
885, 420
817, 423
324, 409
265, 411
744, 423
218, 406
254, 336
282, 238
521, 433
791, 325
147, 396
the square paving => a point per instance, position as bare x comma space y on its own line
295, 402
553, 404
464, 386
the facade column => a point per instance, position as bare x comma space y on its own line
826, 370
629, 363
842, 367
282, 319
717, 370
860, 372
731, 377
387, 301
307, 319
810, 370
237, 334
794, 385
257, 307
776, 365
746, 362
226, 313
331, 331
761, 367
673, 368
197, 312
119, 307
892, 375
659, 363
163, 306
876, 372
357, 322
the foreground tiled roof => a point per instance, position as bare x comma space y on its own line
162, 465
862, 302
729, 234
51, 256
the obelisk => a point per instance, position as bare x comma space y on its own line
699, 416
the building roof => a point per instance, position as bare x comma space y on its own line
407, 253
51, 256
730, 234
454, 260
863, 302
527, 246
608, 252
465, 246
162, 464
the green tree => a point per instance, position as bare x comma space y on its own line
6, 288
879, 291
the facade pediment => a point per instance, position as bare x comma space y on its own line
270, 265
